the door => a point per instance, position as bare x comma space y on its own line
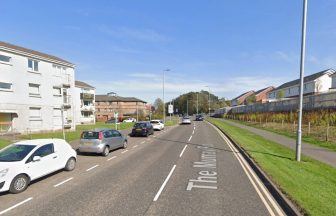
117, 139
48, 163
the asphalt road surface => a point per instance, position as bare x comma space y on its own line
184, 170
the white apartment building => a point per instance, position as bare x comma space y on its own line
84, 103
316, 83
35, 90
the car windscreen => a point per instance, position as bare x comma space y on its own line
154, 122
140, 125
185, 118
15, 152
90, 135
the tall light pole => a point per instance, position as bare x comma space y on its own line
302, 67
197, 103
209, 99
163, 95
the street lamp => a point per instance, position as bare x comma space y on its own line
302, 61
209, 98
163, 94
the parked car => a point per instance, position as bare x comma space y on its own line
111, 121
101, 141
130, 120
157, 124
199, 118
25, 161
142, 129
186, 120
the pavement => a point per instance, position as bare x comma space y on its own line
322, 154
183, 170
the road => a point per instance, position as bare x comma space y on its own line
184, 170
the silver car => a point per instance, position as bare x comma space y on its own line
186, 120
101, 141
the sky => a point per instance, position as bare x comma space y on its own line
124, 46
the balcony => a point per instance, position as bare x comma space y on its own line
90, 108
67, 101
66, 81
86, 96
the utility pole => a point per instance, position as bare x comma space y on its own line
62, 111
163, 95
302, 67
137, 110
187, 107
197, 104
209, 98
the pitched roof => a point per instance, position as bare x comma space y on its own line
106, 98
83, 84
32, 52
242, 95
306, 79
262, 90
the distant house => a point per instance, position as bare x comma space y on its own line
313, 84
241, 98
261, 95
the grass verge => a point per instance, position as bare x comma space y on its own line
74, 135
305, 138
3, 143
310, 184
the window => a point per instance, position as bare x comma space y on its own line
34, 89
305, 86
32, 65
57, 91
5, 59
116, 134
59, 70
107, 134
34, 112
44, 150
57, 112
289, 91
5, 86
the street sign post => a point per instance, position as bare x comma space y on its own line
116, 114
170, 110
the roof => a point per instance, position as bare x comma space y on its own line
262, 90
306, 79
104, 98
12, 47
39, 142
245, 93
83, 84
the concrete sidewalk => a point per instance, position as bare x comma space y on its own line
322, 154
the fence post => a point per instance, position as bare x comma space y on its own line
327, 135
294, 126
308, 128
282, 124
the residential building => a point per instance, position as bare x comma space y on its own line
84, 103
241, 98
261, 95
316, 83
36, 90
107, 105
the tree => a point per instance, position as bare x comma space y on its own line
280, 94
158, 106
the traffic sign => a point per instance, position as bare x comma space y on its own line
170, 109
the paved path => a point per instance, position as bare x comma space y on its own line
322, 154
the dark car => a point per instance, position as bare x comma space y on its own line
111, 121
142, 129
199, 118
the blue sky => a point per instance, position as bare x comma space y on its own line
123, 46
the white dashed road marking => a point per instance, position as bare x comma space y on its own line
124, 151
111, 158
135, 146
65, 181
91, 168
190, 138
183, 150
17, 205
164, 184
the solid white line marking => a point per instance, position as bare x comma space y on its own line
135, 146
193, 132
183, 150
65, 181
154, 136
190, 138
91, 168
164, 184
16, 205
111, 158
124, 151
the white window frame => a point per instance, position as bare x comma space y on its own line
5, 89
37, 117
33, 69
60, 93
4, 62
31, 94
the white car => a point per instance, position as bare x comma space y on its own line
157, 124
186, 120
130, 120
24, 161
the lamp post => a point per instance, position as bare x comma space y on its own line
302, 67
197, 103
163, 95
209, 98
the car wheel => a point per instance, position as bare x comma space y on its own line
19, 184
106, 151
125, 144
70, 165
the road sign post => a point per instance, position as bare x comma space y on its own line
170, 110
116, 120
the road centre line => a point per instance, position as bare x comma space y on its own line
142, 142
111, 158
183, 150
16, 205
250, 173
124, 151
164, 184
65, 181
91, 168
190, 138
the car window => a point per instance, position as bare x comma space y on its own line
44, 150
15, 152
107, 134
115, 134
140, 125
90, 135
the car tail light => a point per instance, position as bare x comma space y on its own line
100, 136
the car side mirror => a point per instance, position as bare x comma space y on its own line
36, 158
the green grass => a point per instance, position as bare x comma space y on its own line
305, 138
75, 135
3, 143
310, 183
172, 122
